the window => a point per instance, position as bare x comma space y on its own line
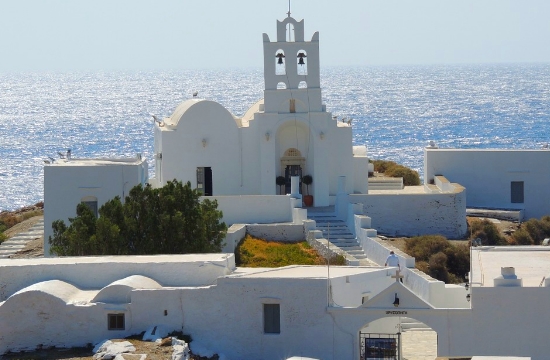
517, 192
292, 106
91, 203
116, 321
272, 319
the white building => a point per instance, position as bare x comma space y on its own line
70, 181
495, 179
246, 313
287, 133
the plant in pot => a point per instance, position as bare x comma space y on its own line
280, 181
308, 199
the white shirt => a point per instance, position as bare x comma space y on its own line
392, 260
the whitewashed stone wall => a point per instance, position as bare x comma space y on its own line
487, 176
416, 214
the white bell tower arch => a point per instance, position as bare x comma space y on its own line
291, 70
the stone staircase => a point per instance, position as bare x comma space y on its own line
385, 183
337, 232
17, 242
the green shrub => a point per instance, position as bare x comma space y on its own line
423, 247
487, 232
538, 229
458, 261
392, 169
439, 257
438, 267
382, 166
522, 237
410, 177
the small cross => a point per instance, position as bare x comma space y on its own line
288, 13
397, 276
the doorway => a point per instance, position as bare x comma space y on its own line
204, 180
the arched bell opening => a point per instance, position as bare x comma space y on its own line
280, 62
301, 61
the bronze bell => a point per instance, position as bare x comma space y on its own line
301, 56
280, 56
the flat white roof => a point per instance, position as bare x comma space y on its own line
145, 259
531, 263
97, 162
303, 272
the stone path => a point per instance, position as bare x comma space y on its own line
17, 242
419, 344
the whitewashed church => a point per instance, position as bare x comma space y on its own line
288, 133
351, 312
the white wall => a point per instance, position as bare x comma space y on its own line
487, 174
402, 214
66, 185
249, 209
168, 270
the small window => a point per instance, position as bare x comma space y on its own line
292, 108
92, 205
517, 192
116, 321
272, 319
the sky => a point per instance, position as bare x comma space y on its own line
92, 35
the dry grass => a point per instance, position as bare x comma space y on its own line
253, 252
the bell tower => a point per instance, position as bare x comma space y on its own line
291, 70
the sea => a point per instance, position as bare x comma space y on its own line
395, 112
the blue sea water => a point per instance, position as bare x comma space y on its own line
396, 111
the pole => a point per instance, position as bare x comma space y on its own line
328, 263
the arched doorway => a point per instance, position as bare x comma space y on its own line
397, 338
292, 164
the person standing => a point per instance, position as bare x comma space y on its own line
392, 260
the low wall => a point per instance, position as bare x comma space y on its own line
277, 232
250, 209
413, 214
235, 234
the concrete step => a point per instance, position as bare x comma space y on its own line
414, 326
339, 235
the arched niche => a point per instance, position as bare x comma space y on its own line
281, 85
302, 85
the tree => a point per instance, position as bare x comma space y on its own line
307, 180
280, 181
167, 220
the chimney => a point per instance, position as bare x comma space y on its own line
507, 278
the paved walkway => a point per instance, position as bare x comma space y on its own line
17, 242
419, 344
